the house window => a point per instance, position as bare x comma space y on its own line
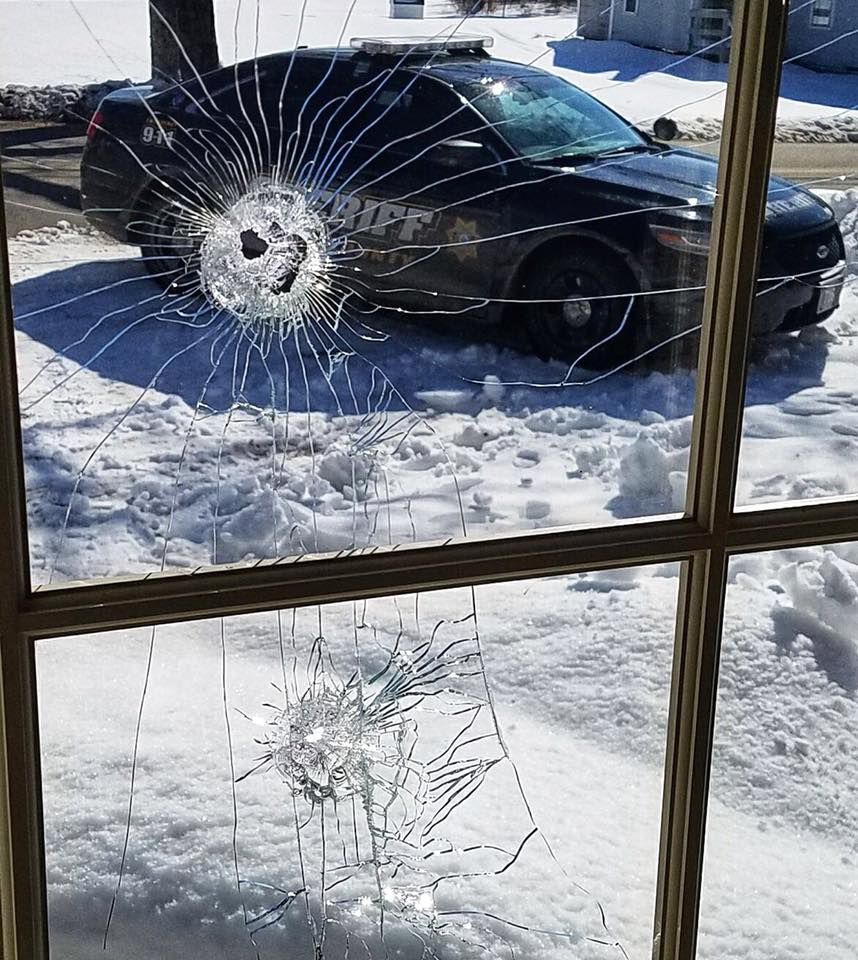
822, 13
712, 23
403, 735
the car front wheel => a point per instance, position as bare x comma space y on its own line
579, 309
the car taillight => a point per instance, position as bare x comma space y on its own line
94, 124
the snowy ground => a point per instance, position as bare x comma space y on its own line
131, 467
96, 39
519, 457
515, 457
580, 670
181, 840
579, 667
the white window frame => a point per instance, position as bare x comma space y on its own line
630, 7
711, 531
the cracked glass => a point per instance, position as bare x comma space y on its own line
435, 776
346, 280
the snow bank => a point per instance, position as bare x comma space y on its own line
824, 609
66, 101
651, 474
845, 206
835, 129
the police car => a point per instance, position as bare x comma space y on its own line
474, 188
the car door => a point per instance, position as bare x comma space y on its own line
421, 190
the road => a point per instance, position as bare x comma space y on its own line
41, 175
810, 162
41, 182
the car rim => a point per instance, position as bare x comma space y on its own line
577, 315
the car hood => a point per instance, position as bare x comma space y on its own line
687, 177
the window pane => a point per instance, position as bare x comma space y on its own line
499, 784
801, 418
780, 875
382, 297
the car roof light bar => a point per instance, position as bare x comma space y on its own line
400, 45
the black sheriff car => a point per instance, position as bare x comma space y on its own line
472, 188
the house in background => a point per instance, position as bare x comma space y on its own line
812, 30
822, 33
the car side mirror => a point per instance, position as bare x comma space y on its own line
462, 154
665, 128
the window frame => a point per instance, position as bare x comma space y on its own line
710, 533
630, 7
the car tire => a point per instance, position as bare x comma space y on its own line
564, 325
168, 254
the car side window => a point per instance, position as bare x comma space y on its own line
225, 91
409, 113
290, 96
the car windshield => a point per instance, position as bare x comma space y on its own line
544, 117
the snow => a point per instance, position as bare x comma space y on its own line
781, 839
580, 679
184, 816
109, 38
579, 666
845, 206
523, 456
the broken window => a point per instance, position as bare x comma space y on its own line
421, 775
355, 293
343, 299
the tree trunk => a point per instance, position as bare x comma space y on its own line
188, 45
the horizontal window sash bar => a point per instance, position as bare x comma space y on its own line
803, 525
65, 610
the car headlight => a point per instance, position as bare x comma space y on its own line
686, 238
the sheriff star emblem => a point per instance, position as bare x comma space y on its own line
461, 233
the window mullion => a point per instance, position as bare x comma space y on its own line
23, 915
745, 158
22, 863
701, 596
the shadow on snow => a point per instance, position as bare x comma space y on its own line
427, 368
